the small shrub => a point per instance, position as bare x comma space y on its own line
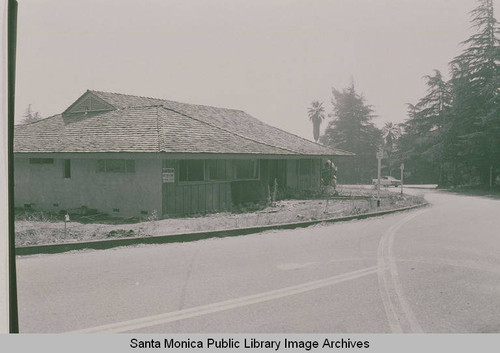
120, 233
275, 190
36, 216
153, 216
153, 222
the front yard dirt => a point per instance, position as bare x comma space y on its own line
41, 228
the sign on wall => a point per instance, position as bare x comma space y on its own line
168, 175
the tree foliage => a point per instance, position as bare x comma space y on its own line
452, 135
30, 116
316, 114
390, 132
422, 146
352, 129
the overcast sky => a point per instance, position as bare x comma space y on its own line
269, 58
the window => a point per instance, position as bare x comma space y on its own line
116, 166
217, 169
41, 161
67, 168
305, 166
191, 170
246, 168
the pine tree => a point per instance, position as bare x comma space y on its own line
455, 128
476, 102
351, 129
423, 146
30, 116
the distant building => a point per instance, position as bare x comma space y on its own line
129, 155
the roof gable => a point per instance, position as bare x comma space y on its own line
89, 102
236, 121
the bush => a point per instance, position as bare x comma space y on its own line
36, 216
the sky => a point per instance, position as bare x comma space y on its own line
270, 58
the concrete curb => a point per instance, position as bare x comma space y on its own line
185, 237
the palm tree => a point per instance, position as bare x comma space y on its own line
316, 114
390, 133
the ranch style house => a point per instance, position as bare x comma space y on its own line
133, 156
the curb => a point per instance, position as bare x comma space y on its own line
186, 237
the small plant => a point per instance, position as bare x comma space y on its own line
153, 216
35, 216
118, 233
356, 210
275, 191
153, 220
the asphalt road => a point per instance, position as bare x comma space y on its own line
433, 270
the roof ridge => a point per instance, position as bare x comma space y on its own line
141, 106
231, 132
39, 120
166, 100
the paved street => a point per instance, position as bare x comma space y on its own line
434, 269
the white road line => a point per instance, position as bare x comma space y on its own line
392, 317
226, 305
390, 286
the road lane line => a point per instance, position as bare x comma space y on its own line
390, 313
410, 316
154, 320
391, 289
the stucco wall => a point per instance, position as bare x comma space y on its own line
43, 186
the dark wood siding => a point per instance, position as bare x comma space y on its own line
196, 198
303, 174
182, 198
192, 197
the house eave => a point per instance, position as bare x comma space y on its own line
165, 155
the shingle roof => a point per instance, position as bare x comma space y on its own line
143, 124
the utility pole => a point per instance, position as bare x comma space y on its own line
380, 155
8, 278
402, 167
4, 190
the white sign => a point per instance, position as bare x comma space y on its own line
168, 175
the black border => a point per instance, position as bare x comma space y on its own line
11, 84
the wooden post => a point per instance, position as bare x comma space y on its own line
402, 167
66, 219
